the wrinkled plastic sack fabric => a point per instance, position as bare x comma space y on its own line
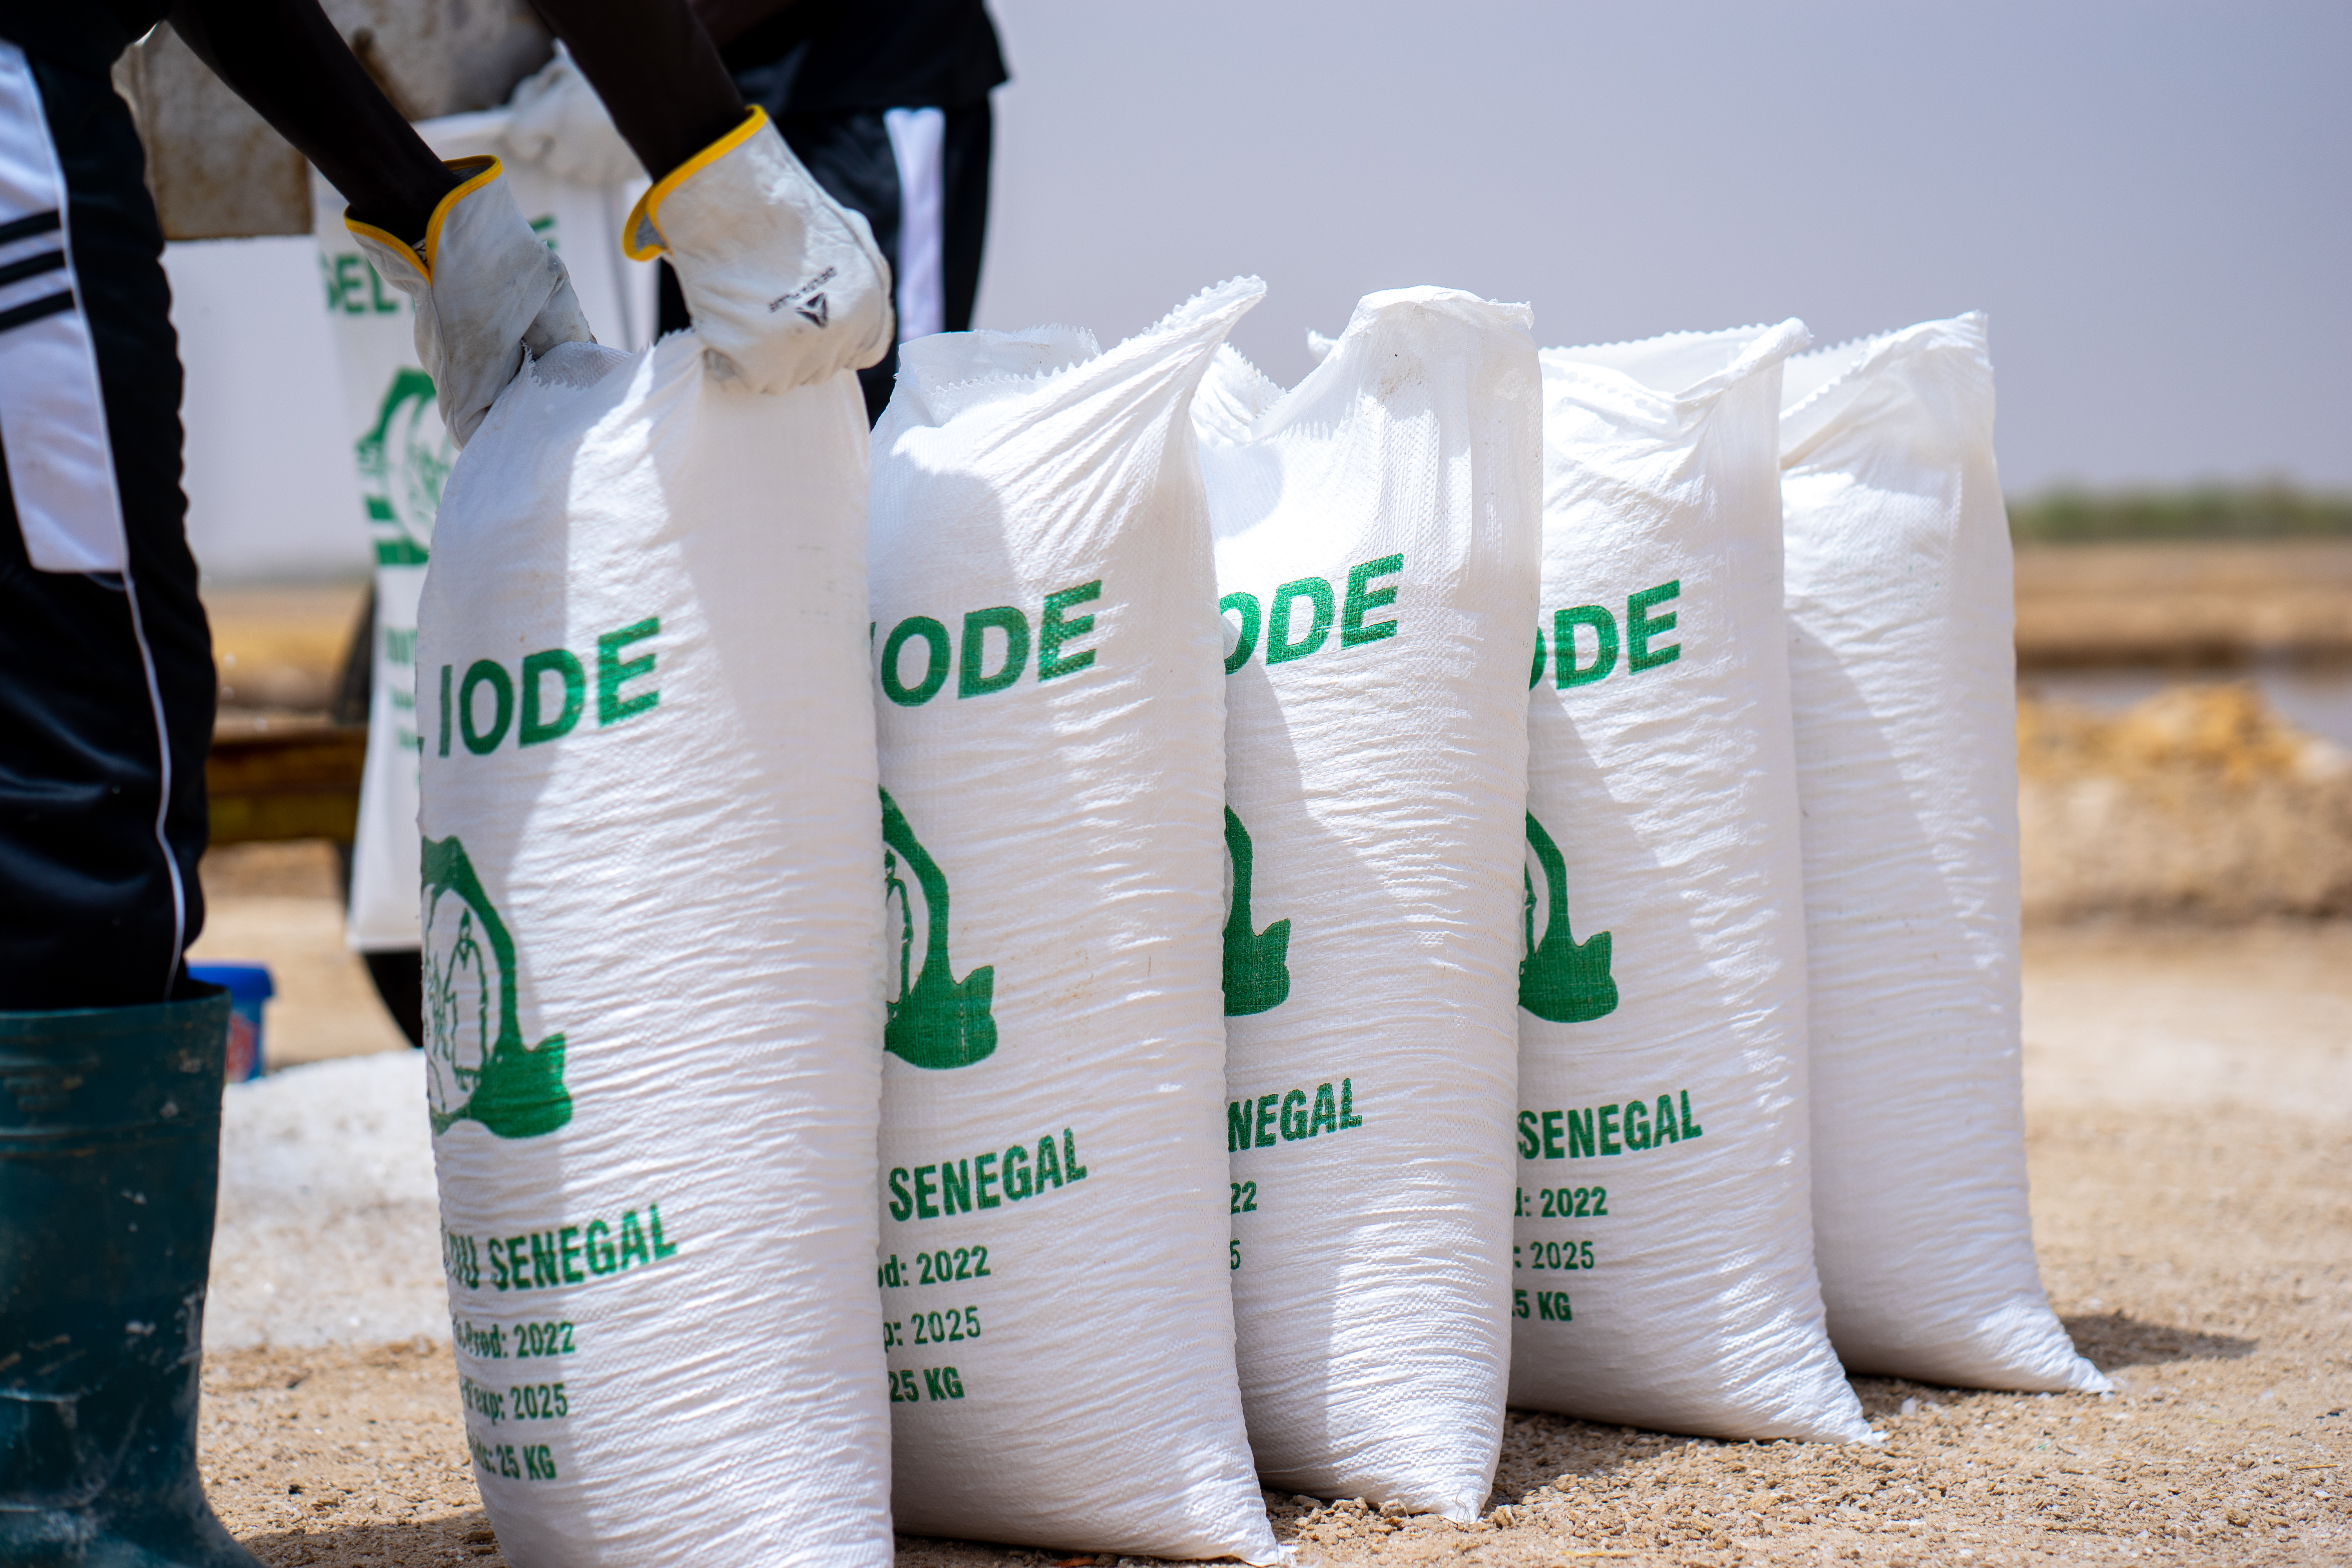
1052, 717
1665, 1275
1901, 662
652, 988
1377, 534
557, 123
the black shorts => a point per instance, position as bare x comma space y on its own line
106, 679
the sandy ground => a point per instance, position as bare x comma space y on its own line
280, 904
2190, 1095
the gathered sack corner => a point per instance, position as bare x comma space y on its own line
1052, 715
1665, 1272
651, 959
1900, 637
1376, 542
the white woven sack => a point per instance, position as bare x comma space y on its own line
653, 991
404, 456
1052, 740
1666, 1271
1376, 533
1900, 627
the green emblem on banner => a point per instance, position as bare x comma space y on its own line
404, 462
477, 1068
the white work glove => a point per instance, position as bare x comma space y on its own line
785, 286
485, 288
558, 124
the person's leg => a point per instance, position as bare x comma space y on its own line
918, 138
106, 679
110, 1111
971, 130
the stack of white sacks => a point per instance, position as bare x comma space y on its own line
1555, 946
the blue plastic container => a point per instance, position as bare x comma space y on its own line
248, 987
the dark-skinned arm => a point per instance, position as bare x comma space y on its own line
285, 60
657, 71
650, 60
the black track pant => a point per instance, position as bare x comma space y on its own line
106, 679
848, 153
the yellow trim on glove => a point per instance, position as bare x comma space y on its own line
484, 170
643, 218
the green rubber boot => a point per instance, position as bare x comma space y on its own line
110, 1160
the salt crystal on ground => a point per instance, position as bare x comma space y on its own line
330, 1223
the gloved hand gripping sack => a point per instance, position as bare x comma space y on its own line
651, 944
1901, 661
1665, 1271
485, 290
1054, 1247
1376, 533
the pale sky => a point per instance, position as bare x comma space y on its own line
2154, 201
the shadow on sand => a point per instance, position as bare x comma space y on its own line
2113, 1340
458, 1537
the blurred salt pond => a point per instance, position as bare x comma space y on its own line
2310, 694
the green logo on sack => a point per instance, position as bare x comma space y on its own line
1257, 963
935, 1020
404, 462
1560, 979
477, 1068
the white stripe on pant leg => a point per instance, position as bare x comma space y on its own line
917, 145
52, 418
163, 774
121, 582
